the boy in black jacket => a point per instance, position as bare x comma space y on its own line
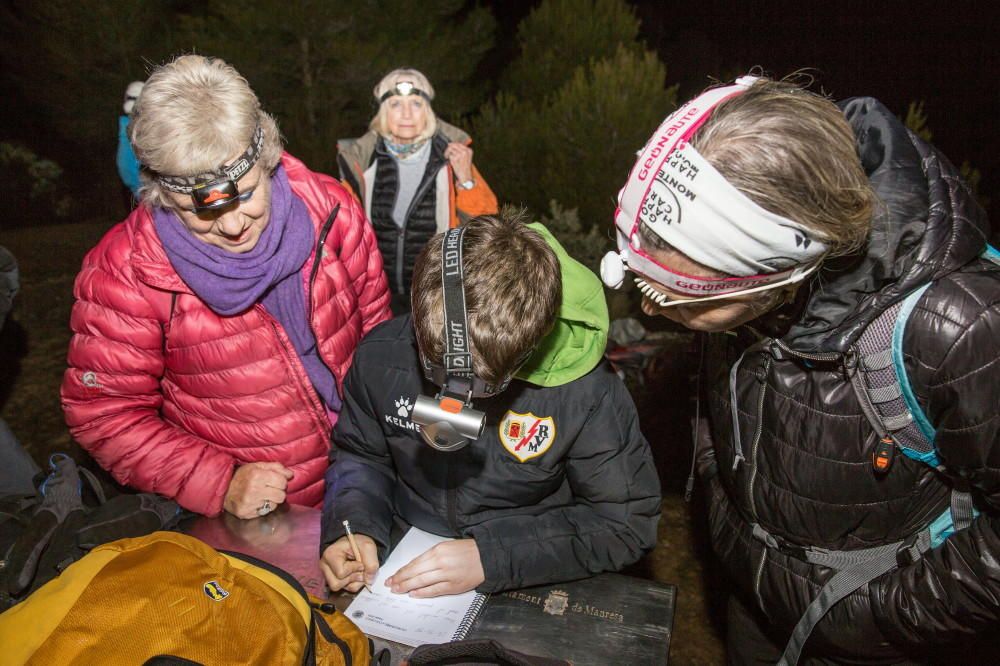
560, 484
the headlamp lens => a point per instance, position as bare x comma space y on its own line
212, 200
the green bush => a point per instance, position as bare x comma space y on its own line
570, 124
31, 187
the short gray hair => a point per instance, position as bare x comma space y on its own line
380, 124
196, 113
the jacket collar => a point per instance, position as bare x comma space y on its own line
928, 225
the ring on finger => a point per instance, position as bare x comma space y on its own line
265, 508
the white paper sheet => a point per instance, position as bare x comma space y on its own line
401, 618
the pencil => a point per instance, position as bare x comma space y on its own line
354, 547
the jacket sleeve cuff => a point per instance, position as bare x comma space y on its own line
332, 528
496, 566
208, 502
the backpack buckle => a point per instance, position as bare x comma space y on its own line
907, 553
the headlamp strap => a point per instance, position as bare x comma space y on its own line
403, 88
232, 172
457, 357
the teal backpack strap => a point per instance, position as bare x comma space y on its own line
924, 452
892, 406
878, 375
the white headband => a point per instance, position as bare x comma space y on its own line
689, 204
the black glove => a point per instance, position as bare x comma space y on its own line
476, 651
61, 504
127, 516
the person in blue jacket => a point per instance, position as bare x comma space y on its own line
128, 165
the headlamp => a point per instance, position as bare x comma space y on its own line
403, 88
448, 421
217, 189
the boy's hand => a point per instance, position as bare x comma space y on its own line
340, 568
451, 567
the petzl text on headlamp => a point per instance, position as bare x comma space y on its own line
217, 189
448, 422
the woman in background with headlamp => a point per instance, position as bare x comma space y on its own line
762, 204
213, 327
413, 174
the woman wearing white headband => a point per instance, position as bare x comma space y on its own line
847, 420
413, 174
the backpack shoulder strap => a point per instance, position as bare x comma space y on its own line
883, 388
991, 254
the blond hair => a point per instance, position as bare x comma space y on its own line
380, 123
513, 290
194, 115
793, 153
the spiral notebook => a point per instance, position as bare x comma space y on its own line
403, 619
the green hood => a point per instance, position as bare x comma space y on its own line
577, 341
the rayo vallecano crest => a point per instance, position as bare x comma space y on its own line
526, 435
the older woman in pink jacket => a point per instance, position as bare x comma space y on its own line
214, 326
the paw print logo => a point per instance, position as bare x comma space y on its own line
403, 407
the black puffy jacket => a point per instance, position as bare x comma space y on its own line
401, 245
588, 501
808, 477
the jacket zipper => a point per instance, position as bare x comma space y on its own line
324, 232
310, 391
826, 356
311, 395
756, 440
401, 232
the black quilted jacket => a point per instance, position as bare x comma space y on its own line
808, 476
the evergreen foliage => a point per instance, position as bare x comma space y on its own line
569, 126
314, 63
558, 35
31, 188
916, 120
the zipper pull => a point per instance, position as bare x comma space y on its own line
882, 455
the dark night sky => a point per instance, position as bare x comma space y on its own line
937, 52
945, 53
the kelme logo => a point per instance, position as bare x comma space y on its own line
214, 591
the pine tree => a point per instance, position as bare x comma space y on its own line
567, 126
314, 63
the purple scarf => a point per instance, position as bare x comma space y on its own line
270, 273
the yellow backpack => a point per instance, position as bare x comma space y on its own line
168, 597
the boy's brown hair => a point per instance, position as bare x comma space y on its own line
513, 290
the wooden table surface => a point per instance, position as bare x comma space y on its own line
289, 538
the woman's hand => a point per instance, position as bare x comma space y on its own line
340, 568
252, 485
451, 567
460, 157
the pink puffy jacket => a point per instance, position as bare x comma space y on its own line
170, 397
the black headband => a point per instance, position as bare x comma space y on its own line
403, 88
232, 172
